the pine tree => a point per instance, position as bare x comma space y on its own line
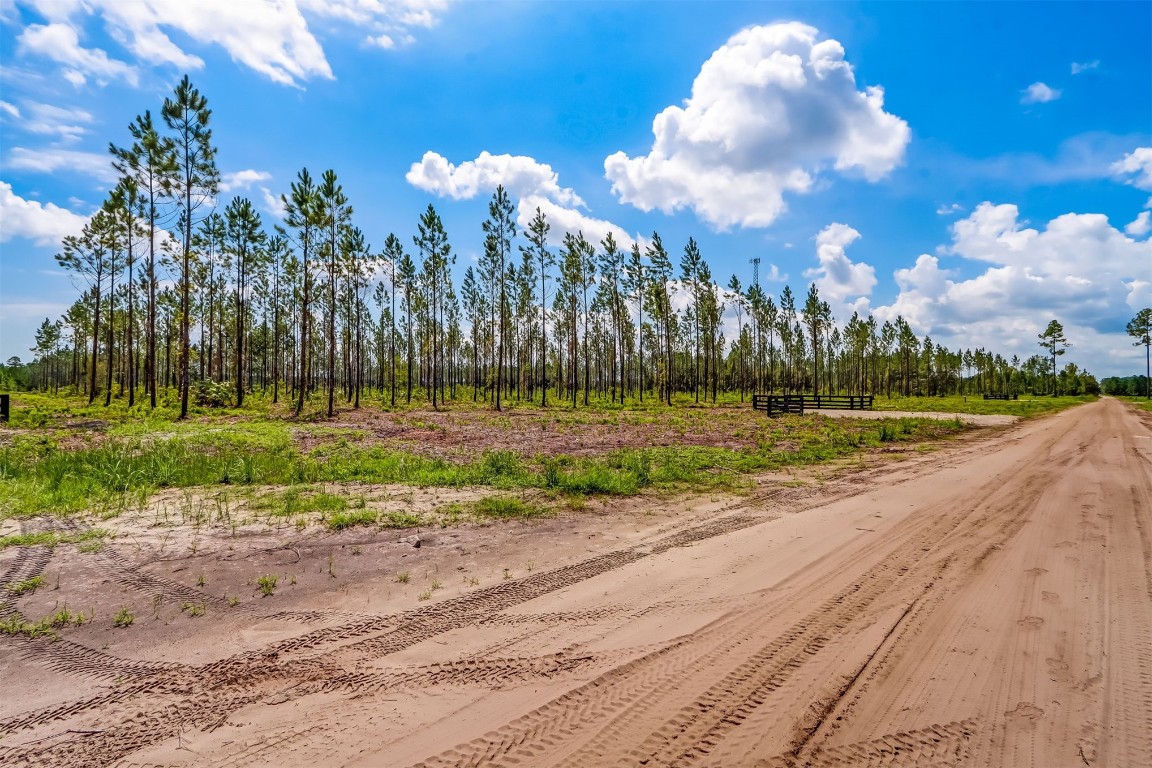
303, 213
245, 241
196, 181
1055, 342
151, 163
537, 250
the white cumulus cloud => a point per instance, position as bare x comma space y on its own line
769, 111
532, 183
838, 277
1081, 67
236, 180
1141, 226
520, 175
1039, 93
1077, 268
42, 223
1136, 168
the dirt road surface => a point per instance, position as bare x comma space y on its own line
987, 604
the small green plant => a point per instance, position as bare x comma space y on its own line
27, 585
267, 584
233, 602
338, 521
403, 577
472, 581
504, 507
15, 625
357, 550
123, 618
331, 572
507, 574
193, 609
435, 585
426, 595
64, 617
396, 519
200, 581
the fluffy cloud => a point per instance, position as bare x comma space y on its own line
564, 219
1136, 168
61, 43
534, 184
1079, 68
1039, 93
519, 174
230, 182
1078, 268
769, 110
271, 37
838, 277
1141, 225
42, 223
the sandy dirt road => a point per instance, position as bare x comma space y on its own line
989, 604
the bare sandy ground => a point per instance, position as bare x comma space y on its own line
979, 419
986, 604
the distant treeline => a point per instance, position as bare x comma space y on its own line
1134, 386
309, 307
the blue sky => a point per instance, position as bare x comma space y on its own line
979, 168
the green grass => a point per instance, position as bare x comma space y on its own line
50, 539
1027, 405
1140, 402
15, 625
26, 585
267, 584
506, 507
338, 521
61, 471
396, 519
123, 618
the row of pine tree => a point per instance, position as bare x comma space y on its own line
181, 292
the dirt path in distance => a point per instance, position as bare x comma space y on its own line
989, 604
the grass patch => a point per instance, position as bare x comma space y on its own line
267, 584
26, 585
15, 625
51, 538
138, 453
506, 507
1140, 402
396, 519
1027, 405
338, 521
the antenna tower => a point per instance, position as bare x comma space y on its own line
755, 270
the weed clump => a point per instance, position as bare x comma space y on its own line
26, 585
338, 521
267, 584
506, 507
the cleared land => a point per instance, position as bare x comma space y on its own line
988, 603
